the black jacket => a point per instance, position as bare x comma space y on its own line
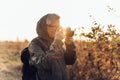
50, 64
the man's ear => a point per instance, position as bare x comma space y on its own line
48, 21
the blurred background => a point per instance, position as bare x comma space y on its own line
97, 35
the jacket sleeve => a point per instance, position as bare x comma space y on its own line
70, 54
38, 57
44, 59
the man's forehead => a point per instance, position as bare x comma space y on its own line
52, 20
52, 16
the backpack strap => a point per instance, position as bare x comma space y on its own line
42, 44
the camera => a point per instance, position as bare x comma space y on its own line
69, 32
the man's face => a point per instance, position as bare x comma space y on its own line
53, 27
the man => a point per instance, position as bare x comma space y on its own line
46, 51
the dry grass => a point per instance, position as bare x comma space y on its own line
10, 64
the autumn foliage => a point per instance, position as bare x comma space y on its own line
98, 58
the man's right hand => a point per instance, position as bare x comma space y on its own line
57, 43
59, 35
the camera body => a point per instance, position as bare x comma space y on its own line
69, 32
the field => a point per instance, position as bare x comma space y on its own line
10, 64
98, 58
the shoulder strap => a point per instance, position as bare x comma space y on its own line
42, 44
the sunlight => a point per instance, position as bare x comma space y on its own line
23, 15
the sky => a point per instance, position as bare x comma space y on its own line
18, 18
